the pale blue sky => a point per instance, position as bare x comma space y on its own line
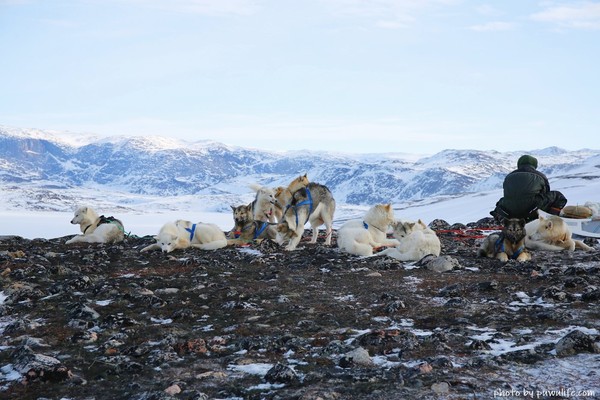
345, 75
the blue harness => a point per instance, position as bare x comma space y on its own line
500, 248
308, 202
191, 231
259, 231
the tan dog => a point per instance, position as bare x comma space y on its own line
283, 195
552, 234
246, 229
510, 244
241, 216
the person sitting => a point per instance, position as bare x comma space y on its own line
525, 191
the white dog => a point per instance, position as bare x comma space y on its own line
552, 234
416, 241
263, 206
361, 236
183, 234
96, 229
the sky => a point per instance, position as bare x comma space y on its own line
356, 76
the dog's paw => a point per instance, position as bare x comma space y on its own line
502, 257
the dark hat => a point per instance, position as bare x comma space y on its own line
527, 160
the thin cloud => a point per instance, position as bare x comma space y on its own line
493, 26
584, 15
387, 14
204, 7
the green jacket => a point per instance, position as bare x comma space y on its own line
525, 190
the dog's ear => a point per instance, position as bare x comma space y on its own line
232, 207
522, 222
388, 206
305, 175
505, 221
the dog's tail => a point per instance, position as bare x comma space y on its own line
255, 186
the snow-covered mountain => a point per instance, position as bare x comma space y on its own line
46, 170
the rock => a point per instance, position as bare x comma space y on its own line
173, 390
280, 373
577, 342
440, 388
443, 264
358, 356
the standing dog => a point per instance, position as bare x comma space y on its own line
96, 229
509, 244
416, 241
182, 234
283, 195
552, 234
313, 203
361, 236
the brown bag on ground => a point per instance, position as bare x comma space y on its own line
578, 212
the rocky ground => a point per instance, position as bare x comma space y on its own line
108, 322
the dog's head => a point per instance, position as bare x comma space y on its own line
167, 242
298, 183
284, 232
403, 229
241, 213
80, 215
514, 229
551, 229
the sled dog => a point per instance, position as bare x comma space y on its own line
241, 215
314, 204
552, 234
182, 234
255, 230
509, 244
246, 229
283, 195
361, 236
416, 241
263, 206
96, 229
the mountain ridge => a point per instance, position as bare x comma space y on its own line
158, 166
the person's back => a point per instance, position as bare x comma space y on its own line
525, 191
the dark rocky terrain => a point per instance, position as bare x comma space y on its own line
95, 321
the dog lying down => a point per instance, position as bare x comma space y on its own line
182, 234
416, 241
507, 245
96, 229
361, 236
552, 234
